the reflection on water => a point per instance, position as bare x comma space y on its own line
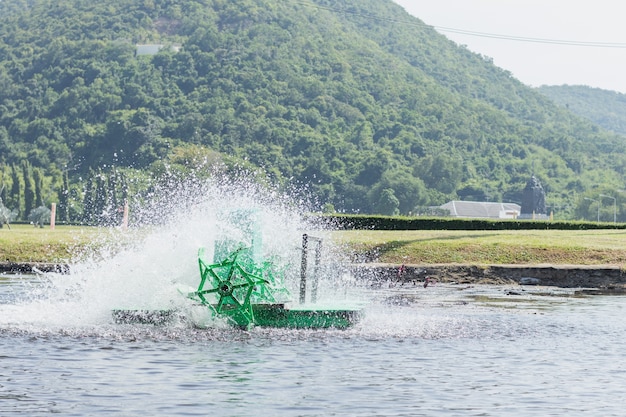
440, 351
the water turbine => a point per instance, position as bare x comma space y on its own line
204, 252
246, 289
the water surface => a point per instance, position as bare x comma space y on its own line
436, 351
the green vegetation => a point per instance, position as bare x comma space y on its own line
377, 222
24, 243
585, 247
353, 102
606, 109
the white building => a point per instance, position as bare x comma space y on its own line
153, 49
482, 210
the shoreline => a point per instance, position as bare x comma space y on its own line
33, 267
611, 277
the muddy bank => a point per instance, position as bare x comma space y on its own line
32, 267
565, 276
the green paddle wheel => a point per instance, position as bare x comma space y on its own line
248, 293
237, 287
246, 290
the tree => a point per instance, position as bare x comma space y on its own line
15, 199
3, 192
39, 216
63, 208
38, 180
253, 78
88, 202
6, 216
29, 188
387, 203
101, 199
441, 172
409, 191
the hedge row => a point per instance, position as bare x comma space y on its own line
365, 222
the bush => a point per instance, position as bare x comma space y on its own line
364, 222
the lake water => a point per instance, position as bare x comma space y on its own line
445, 350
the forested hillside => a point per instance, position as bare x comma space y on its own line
605, 108
362, 104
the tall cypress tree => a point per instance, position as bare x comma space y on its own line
88, 206
3, 188
3, 193
124, 184
114, 213
38, 178
15, 199
29, 189
63, 211
101, 199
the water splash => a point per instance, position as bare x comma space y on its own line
159, 262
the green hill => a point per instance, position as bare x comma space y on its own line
362, 104
606, 109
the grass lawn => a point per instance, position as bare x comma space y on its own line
585, 247
25, 243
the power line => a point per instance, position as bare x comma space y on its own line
528, 39
468, 32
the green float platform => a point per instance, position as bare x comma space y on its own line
265, 315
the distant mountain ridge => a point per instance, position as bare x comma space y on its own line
369, 108
605, 108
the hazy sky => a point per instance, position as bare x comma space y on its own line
539, 60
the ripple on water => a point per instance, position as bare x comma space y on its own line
434, 358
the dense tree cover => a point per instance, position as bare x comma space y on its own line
366, 106
604, 108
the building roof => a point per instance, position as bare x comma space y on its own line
482, 209
153, 49
148, 49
